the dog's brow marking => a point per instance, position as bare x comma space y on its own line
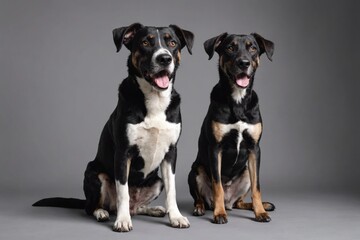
158, 33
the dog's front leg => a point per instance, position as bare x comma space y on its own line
254, 165
122, 166
168, 174
220, 216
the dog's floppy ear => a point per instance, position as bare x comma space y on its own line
186, 37
265, 45
213, 43
124, 35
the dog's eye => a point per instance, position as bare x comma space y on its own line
172, 43
253, 49
230, 48
145, 43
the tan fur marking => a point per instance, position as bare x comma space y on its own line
256, 133
240, 204
227, 65
135, 59
255, 193
103, 179
201, 171
200, 204
151, 36
216, 127
218, 191
128, 167
221, 63
255, 63
179, 57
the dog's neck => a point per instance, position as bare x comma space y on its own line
156, 101
237, 94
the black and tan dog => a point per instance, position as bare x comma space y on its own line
228, 160
141, 135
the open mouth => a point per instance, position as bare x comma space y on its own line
242, 80
161, 79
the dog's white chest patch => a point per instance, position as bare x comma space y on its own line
153, 138
154, 135
239, 126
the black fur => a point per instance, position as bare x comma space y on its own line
234, 51
114, 149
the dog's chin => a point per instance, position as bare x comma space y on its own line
242, 80
160, 80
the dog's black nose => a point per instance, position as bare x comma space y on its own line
243, 63
164, 59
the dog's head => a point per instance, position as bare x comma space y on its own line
239, 55
155, 51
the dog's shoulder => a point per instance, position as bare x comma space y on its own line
173, 110
130, 107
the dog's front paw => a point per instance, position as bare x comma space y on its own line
123, 225
179, 222
158, 211
220, 219
101, 215
199, 211
262, 217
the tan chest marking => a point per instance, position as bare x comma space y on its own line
221, 129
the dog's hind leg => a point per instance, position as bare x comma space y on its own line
99, 193
141, 197
200, 190
241, 187
240, 204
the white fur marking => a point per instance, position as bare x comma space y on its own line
240, 126
154, 135
176, 219
101, 214
159, 51
158, 33
156, 67
238, 94
123, 220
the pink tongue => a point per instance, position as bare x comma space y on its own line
162, 82
243, 82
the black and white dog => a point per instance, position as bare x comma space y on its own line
228, 160
141, 135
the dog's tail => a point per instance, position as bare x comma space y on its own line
61, 202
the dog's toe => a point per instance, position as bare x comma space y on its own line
180, 222
269, 206
124, 225
101, 215
220, 219
198, 211
263, 217
157, 211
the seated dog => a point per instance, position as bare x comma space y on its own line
228, 159
141, 134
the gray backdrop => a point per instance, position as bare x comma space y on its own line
59, 75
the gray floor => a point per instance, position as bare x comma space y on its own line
298, 216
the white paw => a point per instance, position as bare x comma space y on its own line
157, 211
179, 222
123, 225
101, 215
